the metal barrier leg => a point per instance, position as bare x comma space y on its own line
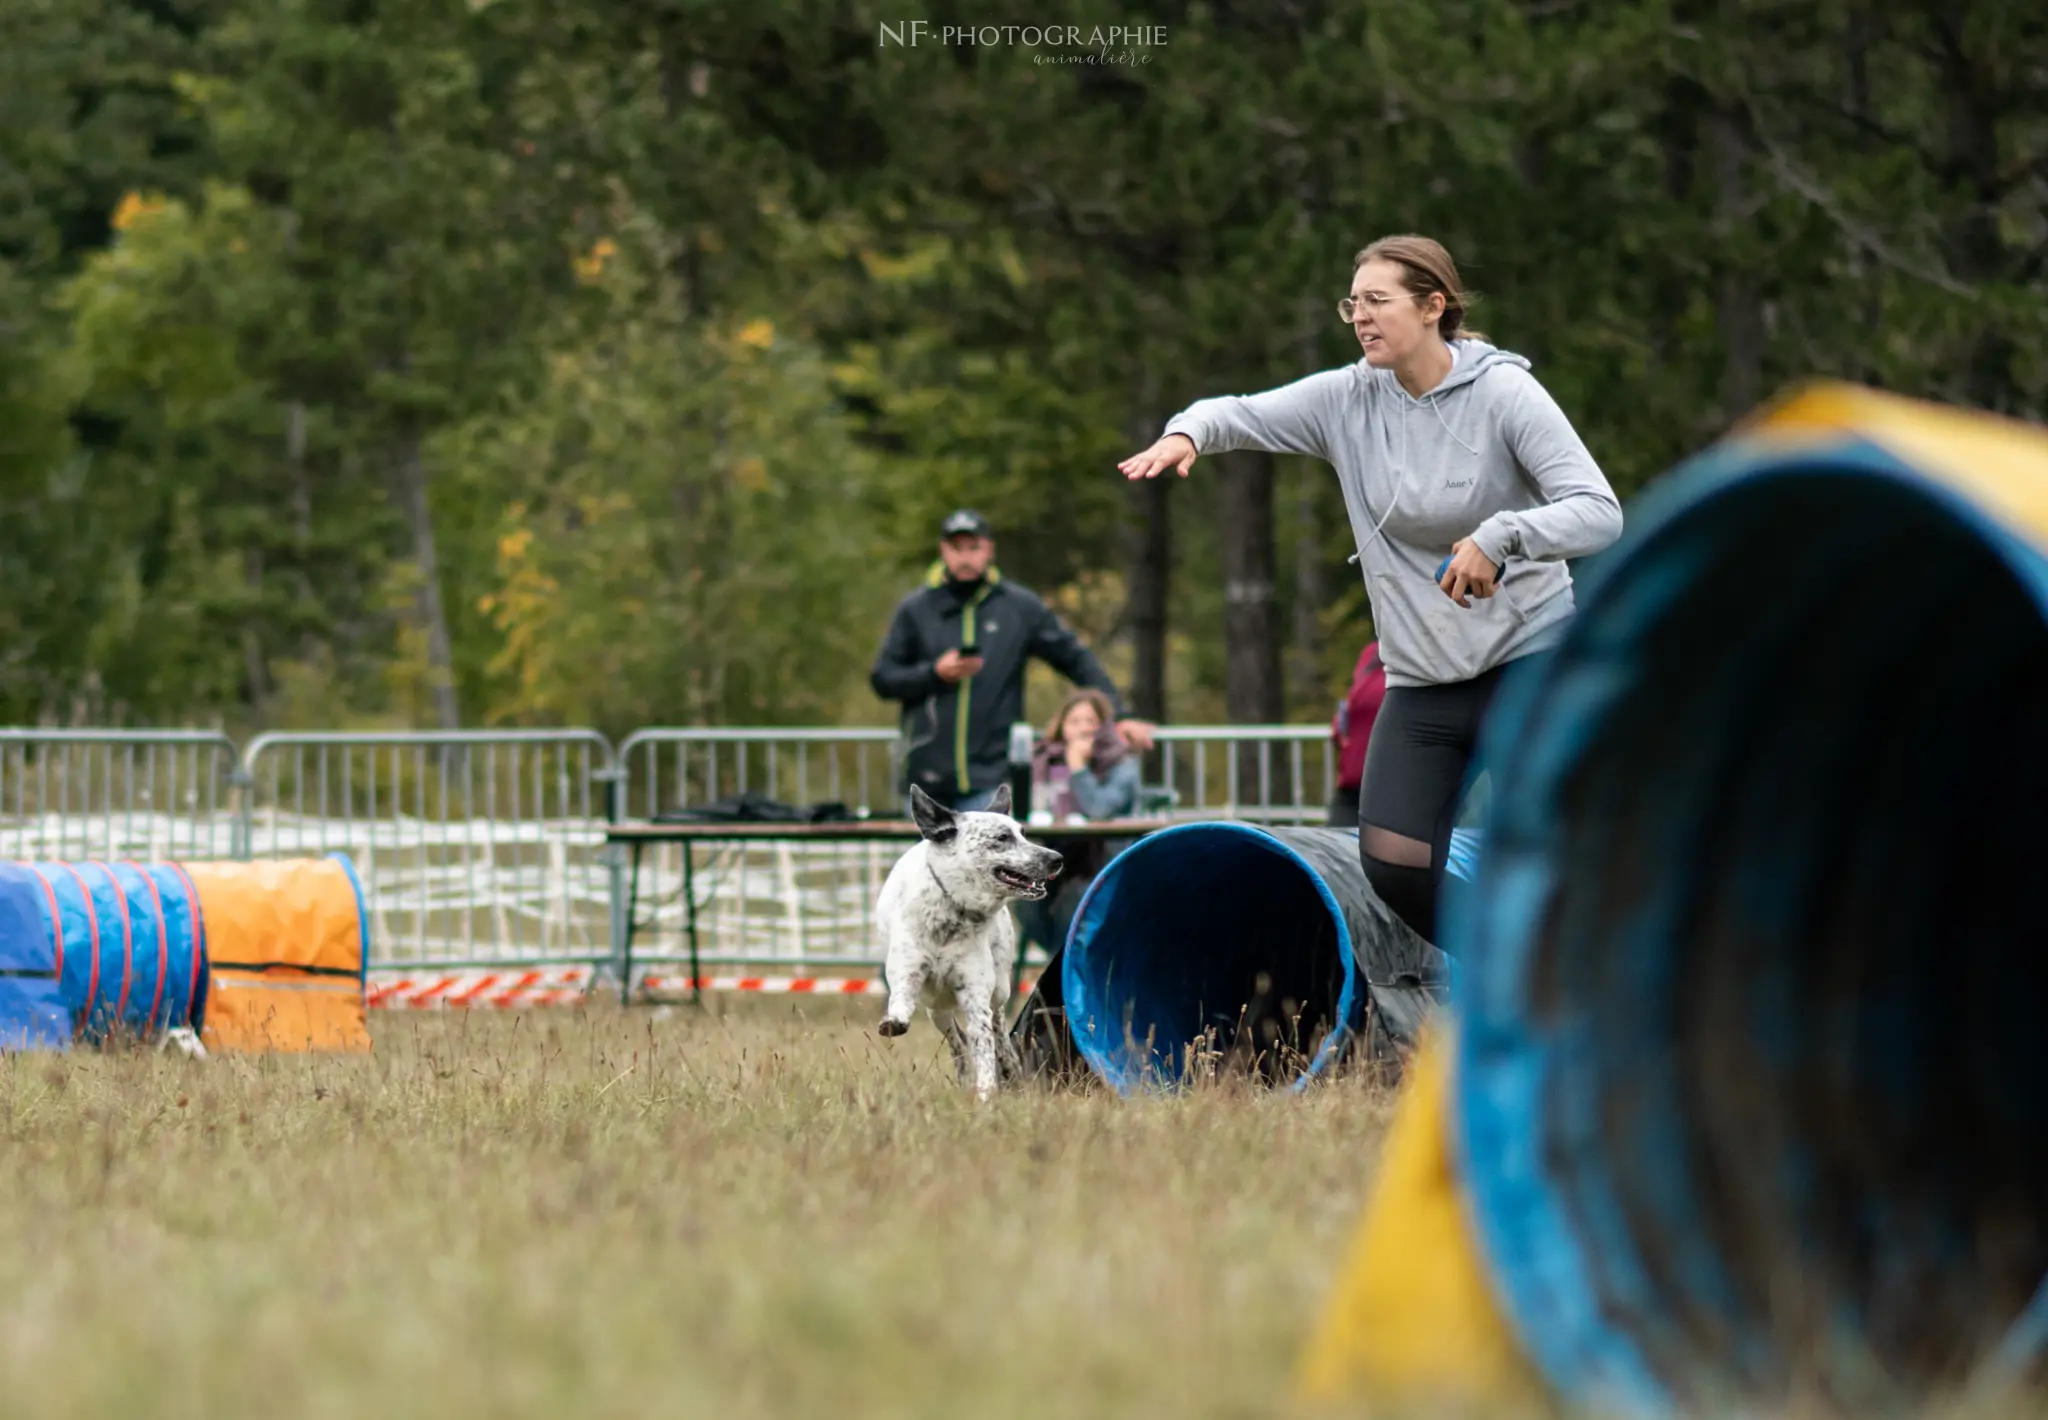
242, 784
621, 920
690, 907
632, 919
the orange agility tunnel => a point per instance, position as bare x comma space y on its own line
287, 946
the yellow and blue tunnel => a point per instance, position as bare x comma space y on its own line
1744, 1095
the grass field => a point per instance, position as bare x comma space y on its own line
761, 1210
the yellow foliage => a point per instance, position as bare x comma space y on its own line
750, 474
757, 334
591, 266
1093, 602
860, 373
137, 208
923, 260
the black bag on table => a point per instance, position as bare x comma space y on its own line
752, 807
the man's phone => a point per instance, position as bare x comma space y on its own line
969, 651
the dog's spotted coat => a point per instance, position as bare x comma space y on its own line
947, 934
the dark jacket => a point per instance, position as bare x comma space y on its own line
957, 737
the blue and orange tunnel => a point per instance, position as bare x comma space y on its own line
253, 956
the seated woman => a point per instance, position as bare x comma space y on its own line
1082, 766
1081, 769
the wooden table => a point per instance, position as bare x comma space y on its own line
635, 835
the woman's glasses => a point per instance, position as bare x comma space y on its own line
1351, 307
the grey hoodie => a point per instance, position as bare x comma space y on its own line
1487, 454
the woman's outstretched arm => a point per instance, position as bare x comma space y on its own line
1293, 419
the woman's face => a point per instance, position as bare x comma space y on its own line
1389, 322
1081, 724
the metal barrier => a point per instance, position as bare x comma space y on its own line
82, 794
675, 768
1260, 773
1263, 773
476, 848
807, 907
793, 905
486, 848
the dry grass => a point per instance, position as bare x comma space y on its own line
762, 1212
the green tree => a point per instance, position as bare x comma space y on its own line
690, 535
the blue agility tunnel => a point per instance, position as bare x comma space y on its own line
107, 910
1211, 940
72, 922
1751, 1084
100, 947
33, 1012
182, 929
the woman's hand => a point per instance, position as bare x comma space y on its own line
1078, 753
1173, 451
1470, 572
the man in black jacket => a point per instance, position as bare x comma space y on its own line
955, 656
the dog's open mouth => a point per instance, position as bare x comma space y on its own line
1021, 884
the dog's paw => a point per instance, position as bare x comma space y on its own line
890, 1027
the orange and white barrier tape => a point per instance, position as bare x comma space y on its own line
538, 986
566, 985
786, 985
769, 985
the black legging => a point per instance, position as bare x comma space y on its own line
1415, 766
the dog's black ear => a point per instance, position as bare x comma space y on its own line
1000, 804
935, 821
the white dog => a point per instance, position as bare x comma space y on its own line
947, 936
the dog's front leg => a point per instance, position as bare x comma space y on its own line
1009, 1067
975, 1018
907, 970
977, 1027
950, 1026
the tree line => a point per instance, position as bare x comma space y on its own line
472, 362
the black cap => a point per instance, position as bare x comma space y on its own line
964, 521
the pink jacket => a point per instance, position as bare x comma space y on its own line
1351, 728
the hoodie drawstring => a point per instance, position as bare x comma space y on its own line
1436, 408
1431, 401
1401, 469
